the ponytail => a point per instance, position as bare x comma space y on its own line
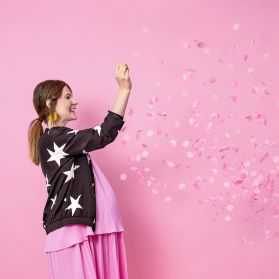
35, 131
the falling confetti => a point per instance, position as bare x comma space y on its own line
236, 26
123, 176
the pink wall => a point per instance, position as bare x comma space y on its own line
200, 147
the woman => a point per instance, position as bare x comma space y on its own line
85, 234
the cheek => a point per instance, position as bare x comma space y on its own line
63, 110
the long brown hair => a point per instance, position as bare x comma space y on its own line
48, 89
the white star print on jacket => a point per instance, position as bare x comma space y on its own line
70, 174
67, 167
57, 154
74, 204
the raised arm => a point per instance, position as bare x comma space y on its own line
125, 86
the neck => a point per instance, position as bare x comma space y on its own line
57, 124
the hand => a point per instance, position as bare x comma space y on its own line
122, 77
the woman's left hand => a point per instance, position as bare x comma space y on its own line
123, 78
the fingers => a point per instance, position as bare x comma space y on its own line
122, 70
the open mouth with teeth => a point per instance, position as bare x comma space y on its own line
72, 109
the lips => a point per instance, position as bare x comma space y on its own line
72, 109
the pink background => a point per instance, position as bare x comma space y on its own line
195, 168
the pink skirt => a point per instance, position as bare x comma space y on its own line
101, 256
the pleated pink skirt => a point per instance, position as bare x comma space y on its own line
100, 256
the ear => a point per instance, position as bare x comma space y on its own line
48, 103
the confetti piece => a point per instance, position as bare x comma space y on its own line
195, 104
138, 157
229, 207
162, 114
168, 199
134, 168
173, 142
190, 154
185, 143
256, 191
211, 180
144, 154
150, 133
155, 191
264, 157
154, 99
206, 50
235, 83
170, 164
181, 186
234, 98
191, 121
123, 176
212, 80
200, 44
188, 74
236, 26
228, 218
130, 111
157, 83
209, 125
250, 70
186, 45
215, 171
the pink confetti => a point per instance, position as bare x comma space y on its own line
168, 199
188, 74
229, 207
190, 154
264, 157
234, 98
150, 113
170, 164
144, 154
212, 80
162, 114
185, 143
155, 191
150, 133
181, 186
228, 218
266, 92
173, 142
249, 117
200, 44
234, 83
130, 112
250, 70
123, 176
191, 121
236, 26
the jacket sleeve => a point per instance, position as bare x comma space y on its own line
74, 142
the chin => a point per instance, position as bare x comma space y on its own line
72, 117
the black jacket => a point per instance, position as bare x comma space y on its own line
66, 165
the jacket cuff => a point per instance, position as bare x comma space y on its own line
115, 114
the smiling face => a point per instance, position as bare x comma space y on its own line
66, 107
